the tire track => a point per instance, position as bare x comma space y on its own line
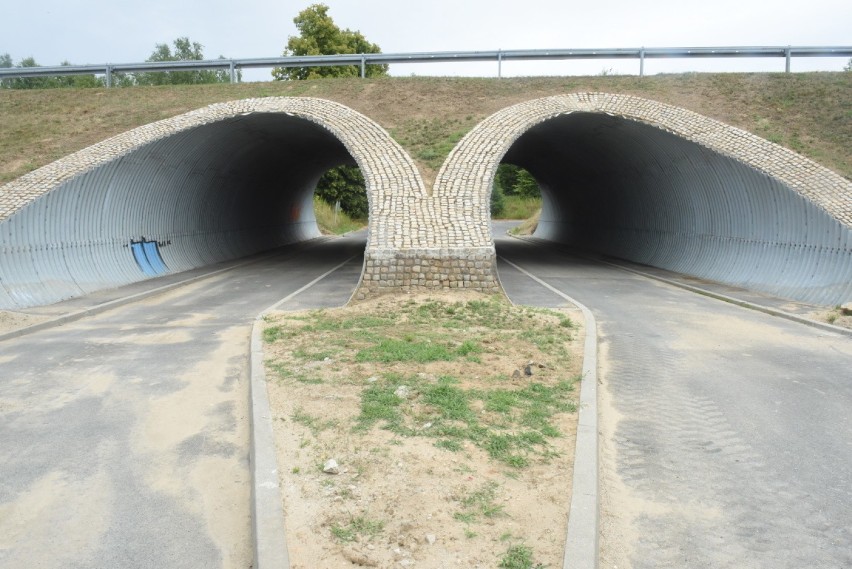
724, 446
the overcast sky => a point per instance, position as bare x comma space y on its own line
116, 31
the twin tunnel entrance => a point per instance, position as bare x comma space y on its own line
622, 176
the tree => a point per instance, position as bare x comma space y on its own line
527, 187
506, 178
5, 63
345, 184
318, 35
515, 181
498, 201
848, 65
184, 50
45, 82
31, 82
78, 81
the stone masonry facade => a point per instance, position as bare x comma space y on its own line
441, 240
429, 269
464, 181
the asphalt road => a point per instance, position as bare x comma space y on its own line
124, 437
726, 434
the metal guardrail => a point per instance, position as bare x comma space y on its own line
364, 59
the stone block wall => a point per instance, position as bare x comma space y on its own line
423, 270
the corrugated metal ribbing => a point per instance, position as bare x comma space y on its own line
633, 191
204, 195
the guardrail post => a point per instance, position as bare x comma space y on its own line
787, 58
499, 63
363, 67
108, 75
641, 62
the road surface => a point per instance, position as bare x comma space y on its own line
726, 433
124, 437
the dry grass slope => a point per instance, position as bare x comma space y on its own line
810, 113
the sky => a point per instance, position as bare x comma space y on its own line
117, 31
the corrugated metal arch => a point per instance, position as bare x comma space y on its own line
666, 187
218, 183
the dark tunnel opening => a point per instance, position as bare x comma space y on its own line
211, 193
629, 190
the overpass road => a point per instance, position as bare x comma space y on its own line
726, 434
124, 437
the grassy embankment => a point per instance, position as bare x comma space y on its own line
810, 113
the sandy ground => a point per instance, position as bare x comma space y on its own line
835, 316
163, 394
417, 491
10, 321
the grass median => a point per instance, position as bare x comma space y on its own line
450, 421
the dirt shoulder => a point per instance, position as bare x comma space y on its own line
838, 316
11, 321
451, 421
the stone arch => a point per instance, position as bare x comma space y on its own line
198, 188
664, 186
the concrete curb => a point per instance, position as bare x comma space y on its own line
103, 307
708, 293
581, 544
267, 508
731, 300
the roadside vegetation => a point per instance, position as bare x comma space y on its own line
450, 422
515, 193
838, 315
334, 221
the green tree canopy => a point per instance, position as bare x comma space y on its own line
184, 50
318, 35
515, 181
345, 184
44, 82
5, 62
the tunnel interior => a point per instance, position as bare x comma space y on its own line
629, 190
211, 193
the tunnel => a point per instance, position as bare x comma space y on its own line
636, 180
209, 186
622, 176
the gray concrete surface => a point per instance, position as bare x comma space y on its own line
725, 433
581, 542
124, 437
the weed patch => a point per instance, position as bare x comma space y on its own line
419, 395
518, 557
357, 528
